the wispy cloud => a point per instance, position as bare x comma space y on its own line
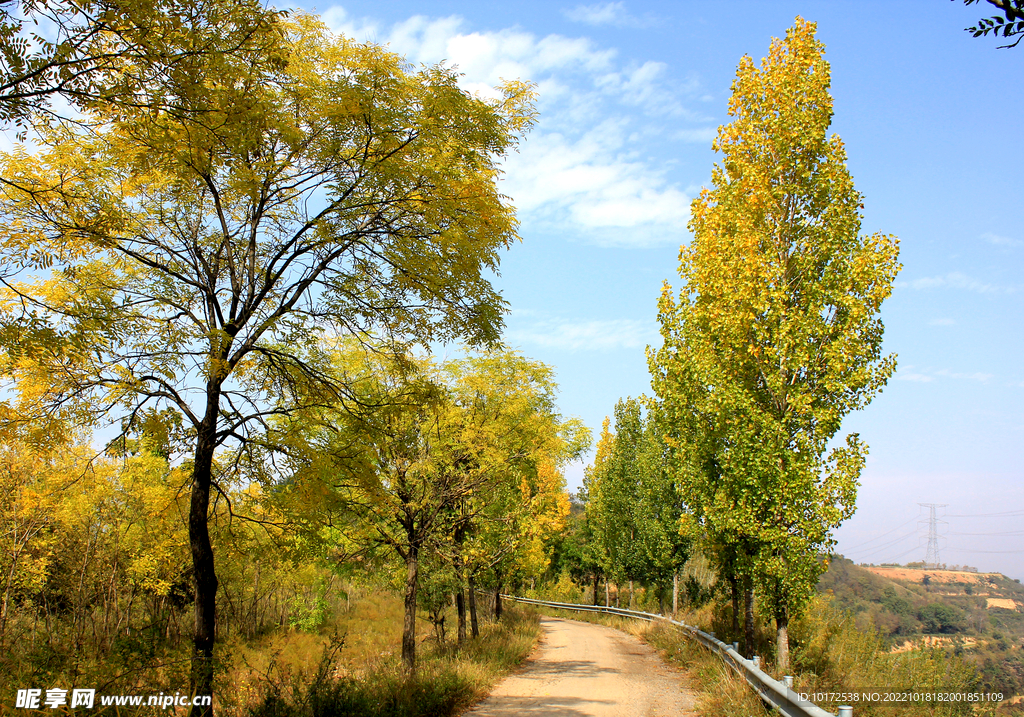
609, 13
590, 168
976, 376
574, 335
908, 375
928, 375
1001, 240
592, 183
957, 280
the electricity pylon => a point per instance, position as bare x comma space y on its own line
931, 556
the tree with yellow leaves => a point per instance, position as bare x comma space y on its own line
775, 336
455, 462
198, 257
117, 53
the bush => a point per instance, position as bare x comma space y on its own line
940, 618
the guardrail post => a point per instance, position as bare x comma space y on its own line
845, 711
736, 646
788, 681
756, 659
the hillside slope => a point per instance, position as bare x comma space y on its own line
977, 615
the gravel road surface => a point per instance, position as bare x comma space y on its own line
581, 669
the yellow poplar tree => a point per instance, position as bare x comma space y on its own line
775, 336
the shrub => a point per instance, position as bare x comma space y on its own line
939, 618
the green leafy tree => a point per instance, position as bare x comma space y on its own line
200, 260
594, 479
507, 402
632, 503
775, 336
579, 551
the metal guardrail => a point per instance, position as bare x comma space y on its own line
779, 695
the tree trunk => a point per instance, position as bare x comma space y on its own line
607, 593
203, 571
675, 593
497, 600
631, 602
734, 589
473, 624
409, 624
748, 618
597, 582
460, 607
782, 640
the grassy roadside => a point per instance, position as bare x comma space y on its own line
356, 669
718, 689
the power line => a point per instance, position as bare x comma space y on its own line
890, 532
902, 555
1003, 534
1007, 514
884, 546
935, 538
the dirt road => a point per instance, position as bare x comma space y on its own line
589, 670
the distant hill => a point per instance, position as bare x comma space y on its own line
977, 615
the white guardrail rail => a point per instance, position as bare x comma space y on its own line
779, 695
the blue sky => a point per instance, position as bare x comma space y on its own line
630, 96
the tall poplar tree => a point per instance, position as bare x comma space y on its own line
775, 336
633, 509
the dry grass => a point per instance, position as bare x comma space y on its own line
917, 575
353, 667
371, 632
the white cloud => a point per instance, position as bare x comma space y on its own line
591, 168
928, 375
1001, 240
911, 376
957, 280
644, 86
976, 376
592, 183
338, 19
609, 13
487, 57
585, 335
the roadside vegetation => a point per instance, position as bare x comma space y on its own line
718, 496
359, 672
